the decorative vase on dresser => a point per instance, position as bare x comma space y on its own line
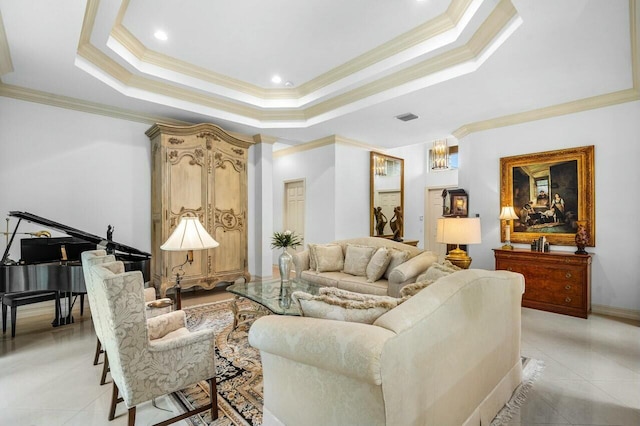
201, 171
555, 281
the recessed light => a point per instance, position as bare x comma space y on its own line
161, 35
276, 79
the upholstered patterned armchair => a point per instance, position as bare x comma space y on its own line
95, 257
89, 259
153, 357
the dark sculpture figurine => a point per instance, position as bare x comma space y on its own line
396, 224
381, 220
109, 239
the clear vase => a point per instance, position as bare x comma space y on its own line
284, 264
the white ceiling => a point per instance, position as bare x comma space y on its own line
457, 64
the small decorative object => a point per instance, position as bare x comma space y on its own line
582, 237
284, 240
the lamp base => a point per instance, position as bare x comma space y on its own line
507, 246
459, 258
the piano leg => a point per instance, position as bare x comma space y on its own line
64, 318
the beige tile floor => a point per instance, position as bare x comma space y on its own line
592, 374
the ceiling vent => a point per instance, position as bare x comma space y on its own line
407, 117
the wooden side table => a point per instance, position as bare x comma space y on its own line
555, 281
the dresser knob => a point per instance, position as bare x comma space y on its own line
568, 299
567, 287
568, 275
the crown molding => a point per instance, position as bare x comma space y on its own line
318, 143
262, 138
6, 65
594, 102
45, 98
450, 23
466, 58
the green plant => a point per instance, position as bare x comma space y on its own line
285, 239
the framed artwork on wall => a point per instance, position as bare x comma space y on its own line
552, 193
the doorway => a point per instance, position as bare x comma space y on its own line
293, 212
432, 212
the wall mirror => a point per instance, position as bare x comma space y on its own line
387, 196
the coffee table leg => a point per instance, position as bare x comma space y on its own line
241, 316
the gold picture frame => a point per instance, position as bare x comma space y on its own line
569, 199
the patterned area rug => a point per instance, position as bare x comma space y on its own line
238, 370
239, 373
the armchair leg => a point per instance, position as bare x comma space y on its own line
132, 416
98, 351
105, 368
213, 406
213, 391
114, 401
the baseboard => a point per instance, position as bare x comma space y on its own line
616, 312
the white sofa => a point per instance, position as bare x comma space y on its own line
450, 355
406, 273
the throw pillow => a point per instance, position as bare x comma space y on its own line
378, 264
342, 305
329, 258
398, 257
357, 258
312, 257
412, 289
438, 270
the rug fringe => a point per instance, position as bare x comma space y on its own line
530, 374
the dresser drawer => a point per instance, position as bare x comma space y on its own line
557, 281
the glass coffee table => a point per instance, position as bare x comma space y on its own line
270, 297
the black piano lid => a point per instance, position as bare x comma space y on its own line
79, 234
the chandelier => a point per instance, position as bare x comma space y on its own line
380, 166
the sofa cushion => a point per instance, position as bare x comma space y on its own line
329, 258
357, 258
335, 304
398, 257
327, 279
361, 285
378, 264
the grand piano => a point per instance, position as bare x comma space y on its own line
54, 263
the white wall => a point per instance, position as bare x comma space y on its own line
352, 194
83, 170
414, 182
317, 167
615, 132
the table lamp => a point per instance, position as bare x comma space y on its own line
459, 230
507, 213
188, 236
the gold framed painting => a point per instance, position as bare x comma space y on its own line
551, 192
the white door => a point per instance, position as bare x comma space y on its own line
294, 208
433, 211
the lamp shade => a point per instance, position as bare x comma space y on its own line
459, 230
189, 235
508, 213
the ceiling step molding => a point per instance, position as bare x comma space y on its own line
6, 65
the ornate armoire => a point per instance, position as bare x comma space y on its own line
201, 171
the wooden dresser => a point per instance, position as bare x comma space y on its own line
555, 281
